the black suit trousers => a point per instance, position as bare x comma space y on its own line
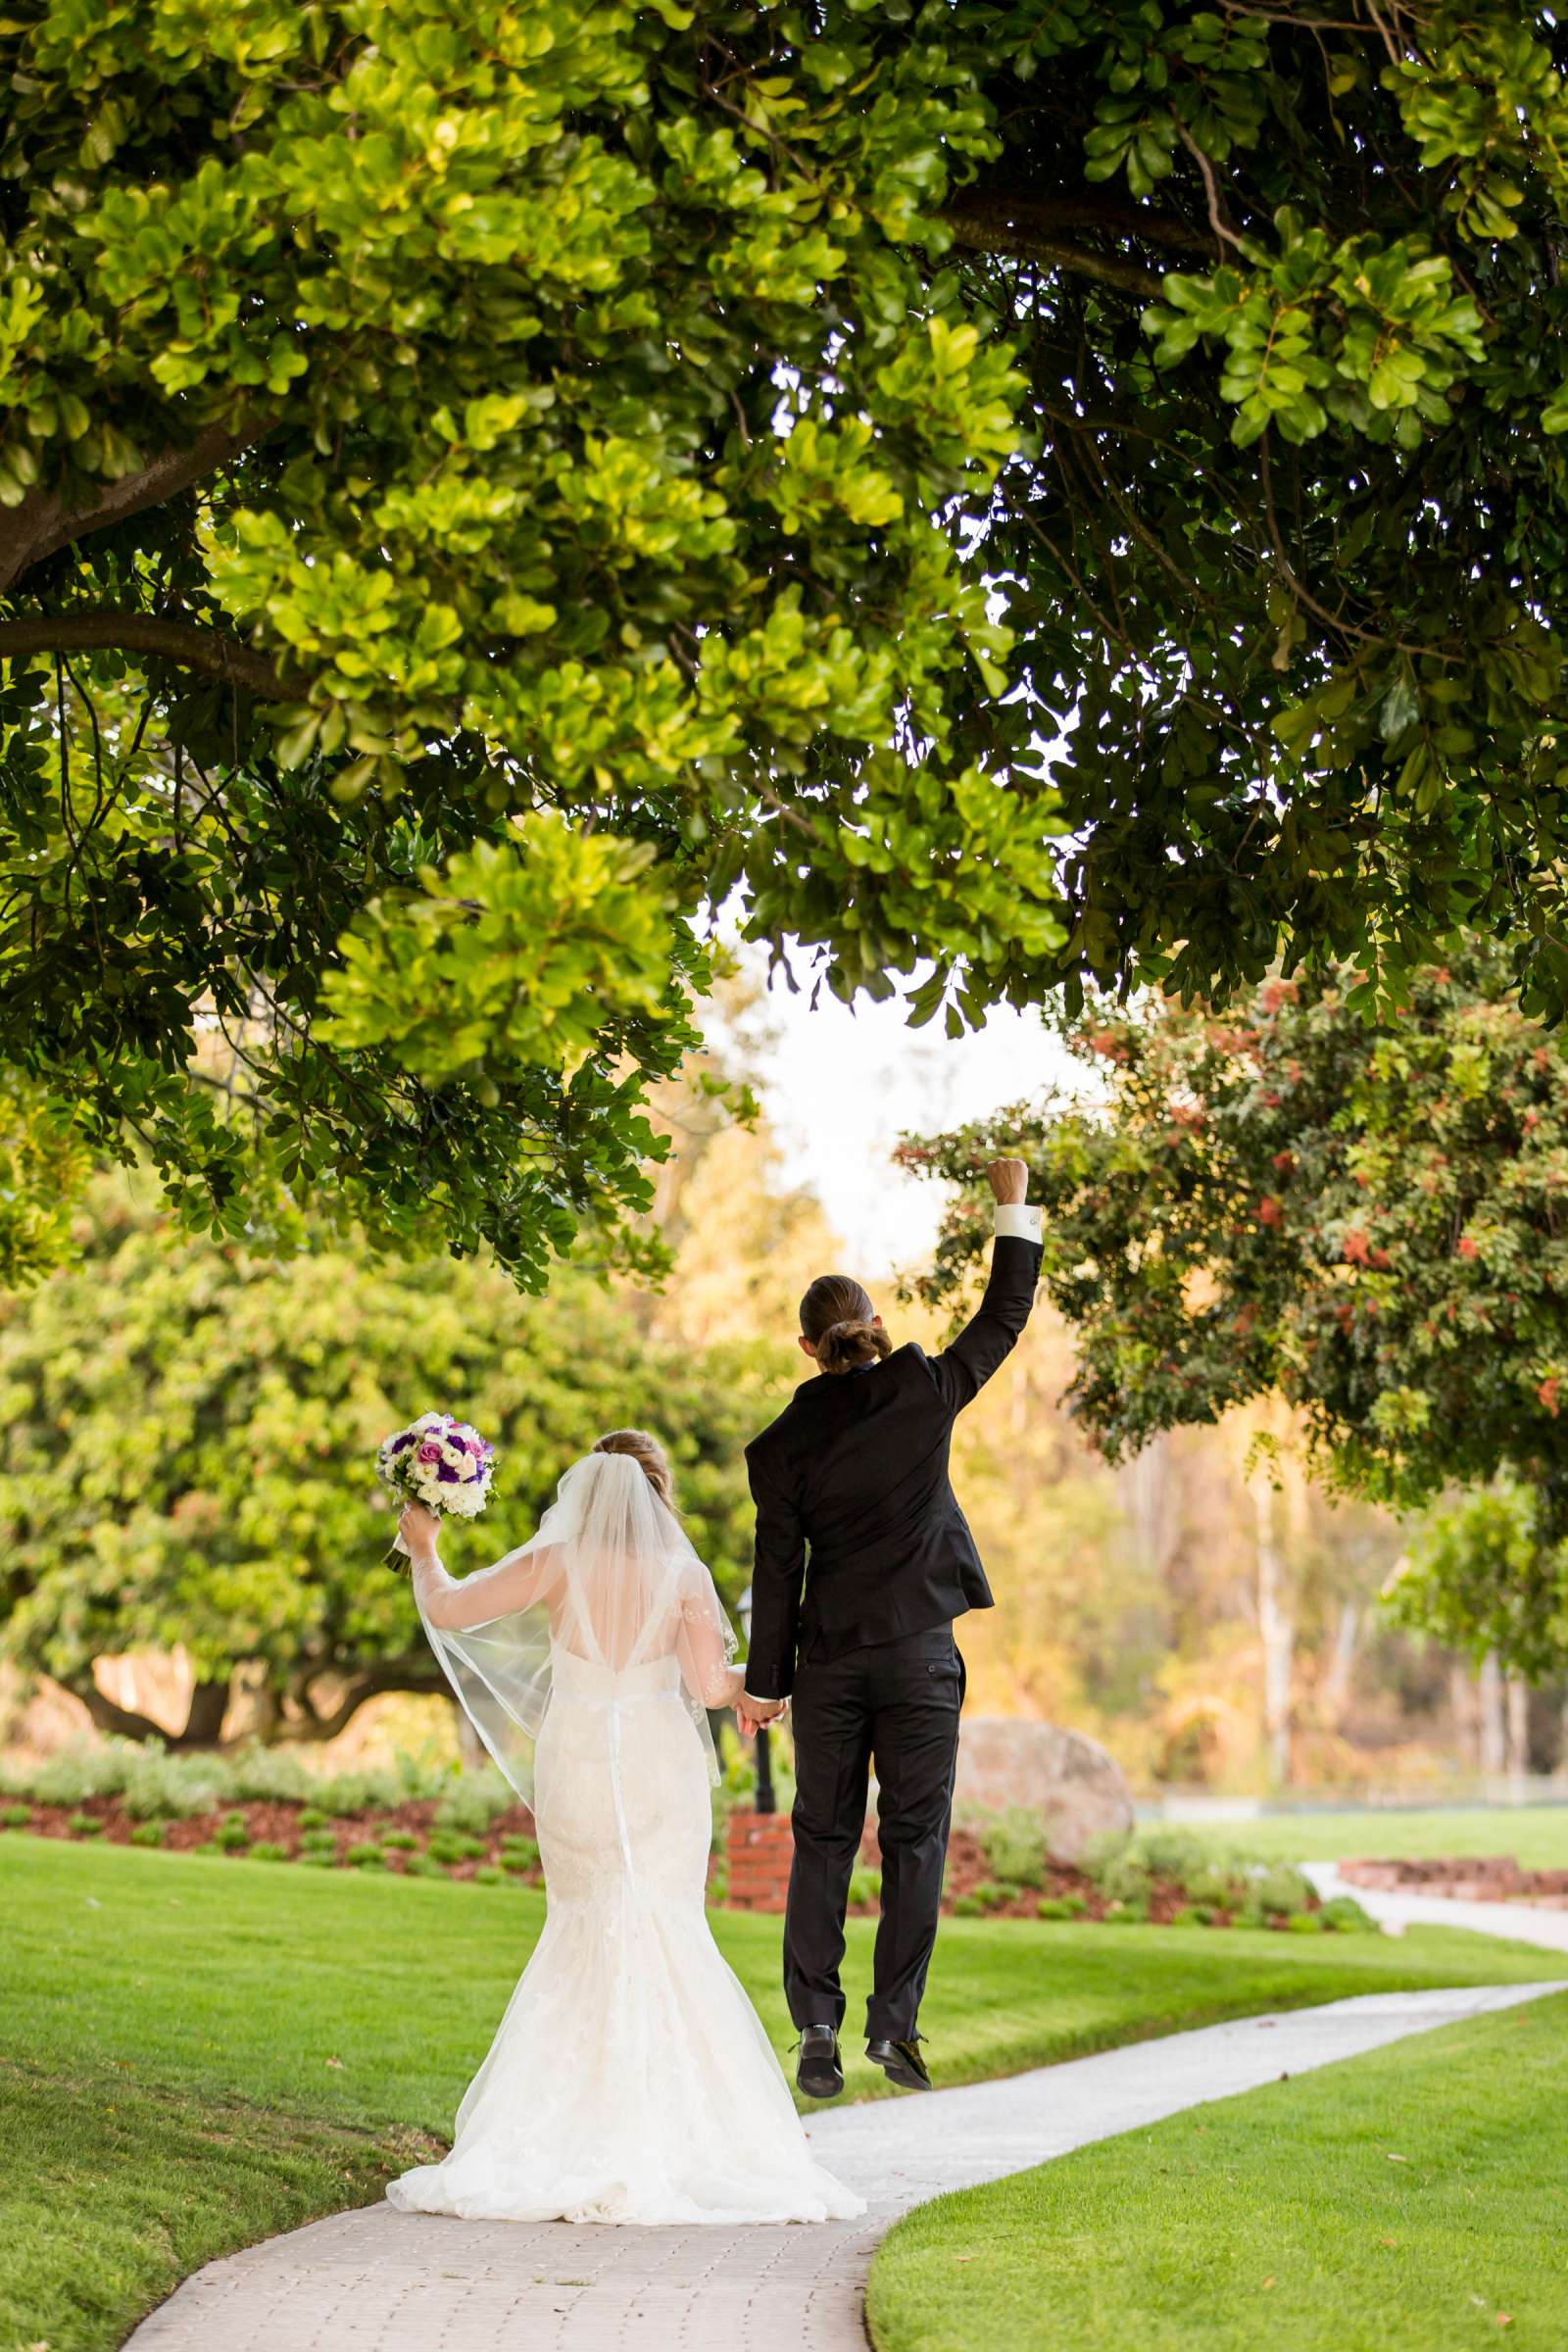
897, 1702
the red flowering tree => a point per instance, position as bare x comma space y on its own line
1371, 1220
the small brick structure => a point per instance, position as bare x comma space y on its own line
760, 1848
1472, 1878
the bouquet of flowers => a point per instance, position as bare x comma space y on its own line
439, 1461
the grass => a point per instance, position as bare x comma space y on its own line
1410, 2201
1537, 1836
198, 2052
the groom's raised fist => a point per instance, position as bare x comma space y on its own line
1008, 1179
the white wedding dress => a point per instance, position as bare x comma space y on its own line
630, 2078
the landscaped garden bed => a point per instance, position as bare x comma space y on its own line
267, 1806
1000, 1866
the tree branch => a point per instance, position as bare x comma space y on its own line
40, 526
183, 642
204, 1723
1032, 229
407, 1674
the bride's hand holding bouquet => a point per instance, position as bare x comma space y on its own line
438, 1465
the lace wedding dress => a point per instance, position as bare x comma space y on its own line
630, 2078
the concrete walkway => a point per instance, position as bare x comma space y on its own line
378, 2280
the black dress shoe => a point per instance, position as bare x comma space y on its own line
818, 2072
901, 2062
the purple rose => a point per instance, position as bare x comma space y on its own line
429, 1453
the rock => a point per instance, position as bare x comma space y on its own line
1081, 1790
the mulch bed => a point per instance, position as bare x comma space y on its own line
1470, 1877
279, 1824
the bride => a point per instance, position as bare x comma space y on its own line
630, 2078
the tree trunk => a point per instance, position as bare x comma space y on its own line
1517, 1707
203, 1726
1492, 1731
1276, 1630
1341, 1666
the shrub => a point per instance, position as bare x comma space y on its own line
487, 1875
420, 1866
149, 1832
269, 1776
1306, 1923
1280, 1888
1125, 1878
1189, 1916
402, 1841
86, 1825
367, 1856
1130, 1912
1060, 1906
312, 1817
519, 1853
1014, 1846
209, 1849
968, 1906
991, 1896
318, 1842
446, 1845
472, 1804
1344, 1912
1220, 1885
317, 1857
1168, 1853
16, 1817
159, 1786
232, 1835
267, 1849
865, 1885
77, 1773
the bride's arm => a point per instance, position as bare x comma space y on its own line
449, 1602
702, 1646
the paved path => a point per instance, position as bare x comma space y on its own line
1522, 1922
378, 2280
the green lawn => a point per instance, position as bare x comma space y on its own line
195, 2053
1537, 1836
1411, 2201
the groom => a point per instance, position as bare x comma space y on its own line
863, 1562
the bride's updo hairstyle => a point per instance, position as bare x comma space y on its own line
838, 1318
648, 1454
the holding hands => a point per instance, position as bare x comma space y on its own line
752, 1713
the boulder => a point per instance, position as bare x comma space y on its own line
1079, 1788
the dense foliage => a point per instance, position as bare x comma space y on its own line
477, 489
1370, 1220
1484, 1576
189, 1457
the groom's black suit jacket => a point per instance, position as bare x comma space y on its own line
859, 1536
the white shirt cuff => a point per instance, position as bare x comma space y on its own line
1017, 1221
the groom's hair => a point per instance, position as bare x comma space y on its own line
838, 1318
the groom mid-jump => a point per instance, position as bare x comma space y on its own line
864, 1560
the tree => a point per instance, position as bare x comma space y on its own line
1482, 1576
478, 490
1284, 560
189, 1444
543, 420
1371, 1220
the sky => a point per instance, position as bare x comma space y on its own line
840, 1088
